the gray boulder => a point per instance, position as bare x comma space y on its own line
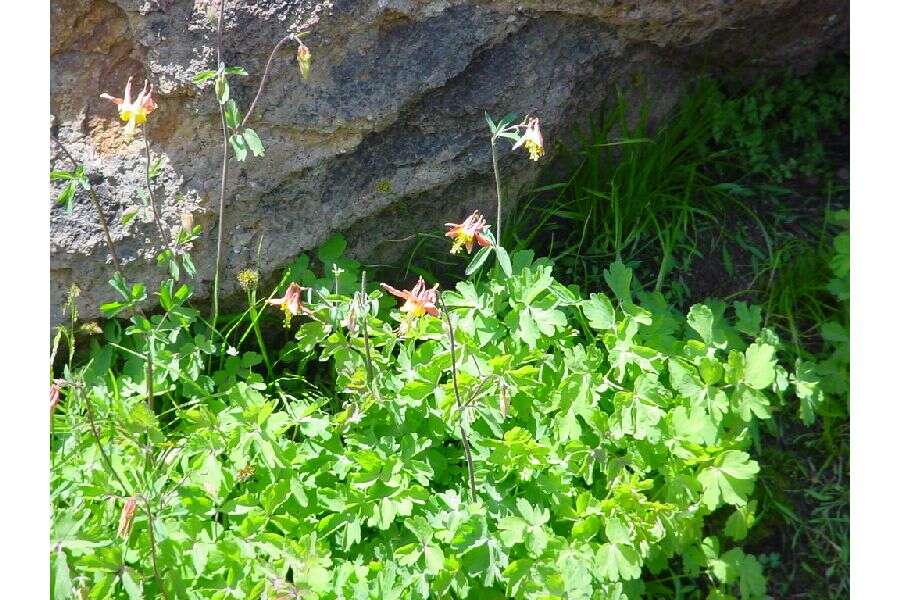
386, 137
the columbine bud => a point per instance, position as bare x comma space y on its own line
54, 397
504, 399
303, 59
221, 88
248, 279
187, 222
126, 519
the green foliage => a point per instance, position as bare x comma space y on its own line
777, 131
663, 199
76, 179
242, 139
623, 430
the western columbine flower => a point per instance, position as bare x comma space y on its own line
418, 301
134, 113
467, 233
291, 304
126, 519
532, 138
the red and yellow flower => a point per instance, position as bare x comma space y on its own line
291, 303
468, 232
419, 300
532, 138
134, 113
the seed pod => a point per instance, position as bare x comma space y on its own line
504, 399
187, 222
222, 88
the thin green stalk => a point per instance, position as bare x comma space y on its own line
365, 329
152, 197
92, 422
220, 235
462, 416
156, 575
254, 319
496, 162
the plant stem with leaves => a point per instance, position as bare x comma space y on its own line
101, 217
470, 465
151, 196
220, 233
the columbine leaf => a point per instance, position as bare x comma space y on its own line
254, 142
222, 89
599, 311
729, 479
490, 122
759, 368
478, 259
232, 115
239, 145
203, 76
808, 387
617, 562
749, 318
503, 260
618, 278
67, 197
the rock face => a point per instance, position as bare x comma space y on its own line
386, 137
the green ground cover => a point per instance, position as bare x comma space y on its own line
651, 403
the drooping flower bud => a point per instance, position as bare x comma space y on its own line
303, 59
532, 138
126, 518
54, 397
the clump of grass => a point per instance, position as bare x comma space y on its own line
640, 197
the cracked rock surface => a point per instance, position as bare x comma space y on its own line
386, 137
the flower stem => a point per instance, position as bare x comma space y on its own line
220, 232
262, 82
156, 575
254, 319
497, 181
462, 416
92, 422
116, 265
100, 216
365, 331
162, 233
